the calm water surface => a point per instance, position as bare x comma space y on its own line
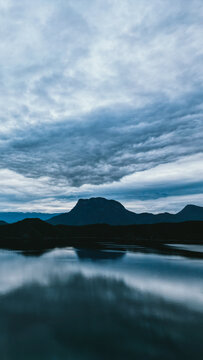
89, 304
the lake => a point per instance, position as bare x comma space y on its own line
78, 304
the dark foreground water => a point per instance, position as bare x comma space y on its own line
80, 304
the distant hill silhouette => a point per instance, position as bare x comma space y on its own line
33, 234
28, 233
102, 211
3, 223
190, 212
11, 217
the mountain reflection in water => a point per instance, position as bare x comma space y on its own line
127, 306
97, 255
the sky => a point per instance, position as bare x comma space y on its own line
101, 98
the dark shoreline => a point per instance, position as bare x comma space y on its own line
35, 234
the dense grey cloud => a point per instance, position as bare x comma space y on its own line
95, 91
104, 146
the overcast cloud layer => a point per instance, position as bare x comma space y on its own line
101, 98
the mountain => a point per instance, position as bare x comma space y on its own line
12, 217
95, 211
190, 212
102, 211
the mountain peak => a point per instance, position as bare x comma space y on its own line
190, 212
98, 202
190, 207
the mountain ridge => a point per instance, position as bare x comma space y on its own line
98, 210
12, 217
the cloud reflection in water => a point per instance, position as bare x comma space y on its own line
56, 307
